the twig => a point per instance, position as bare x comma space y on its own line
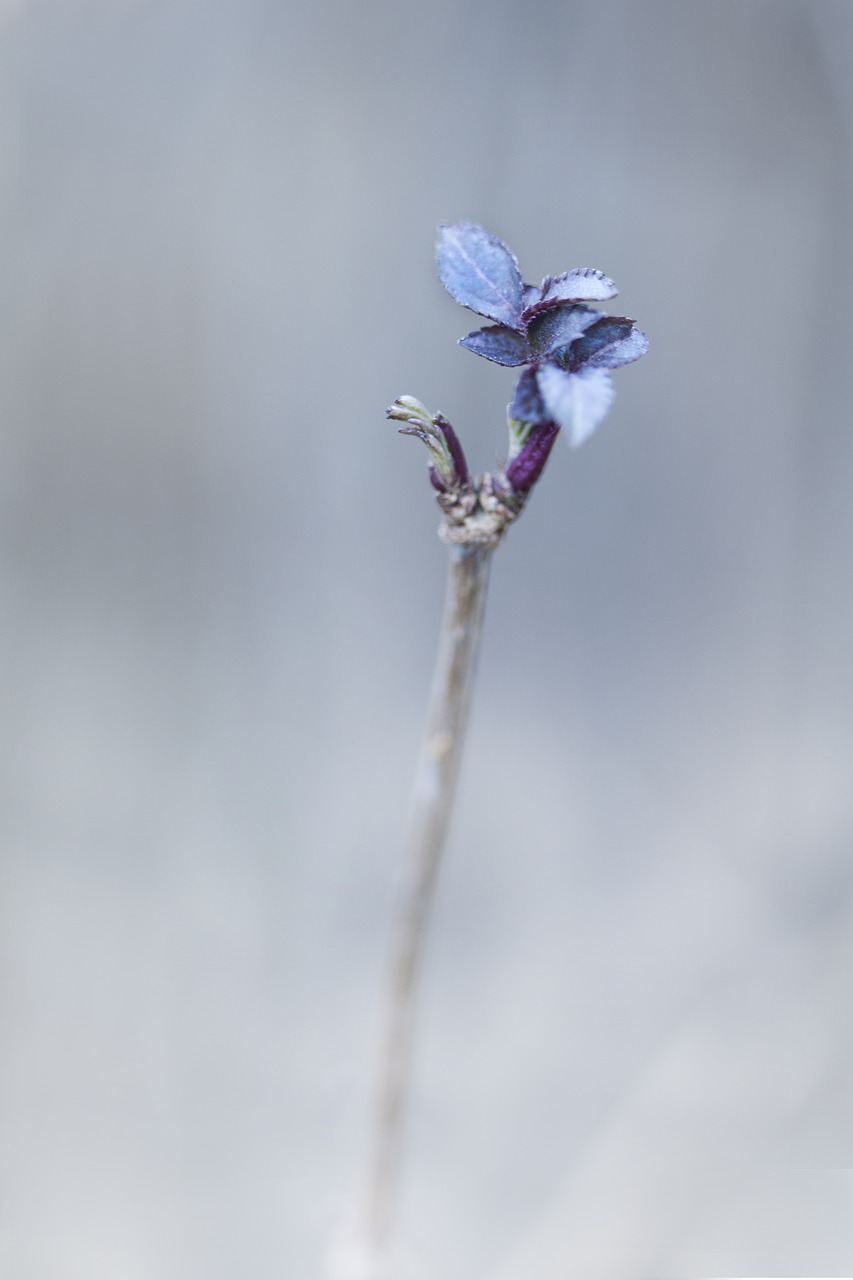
435, 786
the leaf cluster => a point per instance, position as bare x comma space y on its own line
567, 347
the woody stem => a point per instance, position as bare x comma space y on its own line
435, 787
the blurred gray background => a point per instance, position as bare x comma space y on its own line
220, 598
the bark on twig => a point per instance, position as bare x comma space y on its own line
435, 787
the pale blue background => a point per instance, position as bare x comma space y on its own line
220, 595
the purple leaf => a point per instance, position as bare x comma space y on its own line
608, 344
500, 344
527, 403
526, 468
560, 326
531, 294
479, 271
634, 345
584, 284
597, 338
577, 401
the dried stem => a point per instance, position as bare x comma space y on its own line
435, 786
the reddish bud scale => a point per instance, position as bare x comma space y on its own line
454, 446
527, 467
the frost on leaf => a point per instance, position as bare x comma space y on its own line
531, 294
577, 401
555, 329
500, 344
583, 284
609, 344
479, 271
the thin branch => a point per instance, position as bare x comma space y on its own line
435, 786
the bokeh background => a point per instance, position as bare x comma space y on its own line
220, 598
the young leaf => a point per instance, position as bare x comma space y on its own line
530, 294
578, 401
584, 284
603, 354
479, 271
558, 327
500, 344
597, 338
527, 403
